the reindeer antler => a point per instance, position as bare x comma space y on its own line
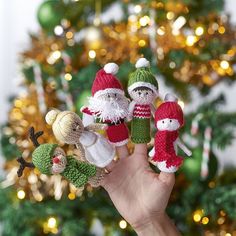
34, 136
23, 165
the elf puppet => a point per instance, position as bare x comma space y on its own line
143, 89
168, 120
108, 105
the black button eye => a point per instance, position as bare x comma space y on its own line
146, 93
115, 94
163, 122
170, 120
108, 95
139, 93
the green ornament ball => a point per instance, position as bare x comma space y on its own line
82, 99
50, 14
192, 166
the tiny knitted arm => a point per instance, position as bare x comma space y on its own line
183, 147
153, 109
79, 152
131, 110
87, 118
152, 152
96, 127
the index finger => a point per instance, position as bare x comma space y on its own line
122, 151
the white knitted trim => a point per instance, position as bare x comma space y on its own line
145, 84
105, 163
121, 143
162, 167
108, 90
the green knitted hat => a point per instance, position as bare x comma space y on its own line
142, 77
42, 157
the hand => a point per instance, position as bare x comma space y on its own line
139, 194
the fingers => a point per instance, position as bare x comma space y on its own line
167, 178
122, 151
140, 148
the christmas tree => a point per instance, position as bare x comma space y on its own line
189, 43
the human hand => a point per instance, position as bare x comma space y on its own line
139, 194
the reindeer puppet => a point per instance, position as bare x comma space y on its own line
51, 159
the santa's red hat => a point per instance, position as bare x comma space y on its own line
170, 109
105, 81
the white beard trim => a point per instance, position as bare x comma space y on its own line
109, 110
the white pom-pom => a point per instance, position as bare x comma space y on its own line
51, 116
142, 62
170, 98
111, 68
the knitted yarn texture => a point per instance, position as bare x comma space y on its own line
42, 157
78, 172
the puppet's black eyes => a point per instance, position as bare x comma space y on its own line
170, 120
163, 121
115, 94
146, 93
108, 95
139, 93
74, 129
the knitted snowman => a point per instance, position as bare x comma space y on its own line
108, 105
68, 128
168, 120
143, 89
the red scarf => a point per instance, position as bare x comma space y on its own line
164, 148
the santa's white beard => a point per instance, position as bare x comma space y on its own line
109, 110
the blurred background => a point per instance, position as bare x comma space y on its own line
50, 52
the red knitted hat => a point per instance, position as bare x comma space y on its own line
170, 109
106, 82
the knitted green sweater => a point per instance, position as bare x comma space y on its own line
78, 172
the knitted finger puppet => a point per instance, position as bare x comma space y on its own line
50, 159
109, 105
68, 128
143, 89
168, 120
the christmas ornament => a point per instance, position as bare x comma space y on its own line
50, 14
143, 89
68, 128
108, 105
168, 120
50, 159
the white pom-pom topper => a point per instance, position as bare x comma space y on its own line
111, 68
170, 98
142, 62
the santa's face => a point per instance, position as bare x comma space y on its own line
59, 161
168, 124
142, 95
109, 106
